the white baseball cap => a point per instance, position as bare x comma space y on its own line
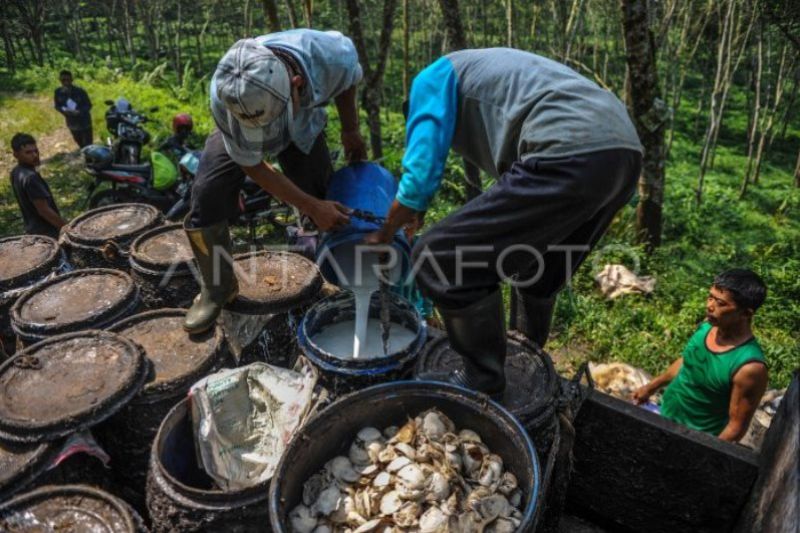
253, 84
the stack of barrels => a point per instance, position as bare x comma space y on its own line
95, 368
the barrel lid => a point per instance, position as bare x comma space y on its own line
67, 508
22, 255
530, 377
178, 359
274, 282
92, 296
117, 222
67, 383
162, 246
20, 463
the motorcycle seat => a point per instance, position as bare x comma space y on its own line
138, 169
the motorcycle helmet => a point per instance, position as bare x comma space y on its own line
97, 156
122, 105
182, 123
189, 163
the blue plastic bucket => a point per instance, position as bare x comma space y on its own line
367, 187
341, 376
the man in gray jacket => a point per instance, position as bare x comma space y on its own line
566, 158
268, 98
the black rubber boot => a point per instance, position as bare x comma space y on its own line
478, 334
218, 286
532, 316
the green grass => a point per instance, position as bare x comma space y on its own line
761, 232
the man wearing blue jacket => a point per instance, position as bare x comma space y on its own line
566, 158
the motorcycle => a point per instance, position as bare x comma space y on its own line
156, 183
125, 125
256, 206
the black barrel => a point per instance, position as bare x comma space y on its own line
280, 286
101, 237
177, 361
25, 466
73, 508
53, 393
25, 260
341, 376
162, 264
330, 433
531, 388
68, 383
274, 282
182, 497
93, 298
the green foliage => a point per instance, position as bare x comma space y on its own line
761, 232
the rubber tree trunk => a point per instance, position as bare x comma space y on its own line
649, 114
271, 14
458, 41
373, 74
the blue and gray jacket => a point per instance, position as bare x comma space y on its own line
498, 106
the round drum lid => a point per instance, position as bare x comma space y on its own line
166, 245
67, 383
67, 508
23, 254
18, 461
530, 379
274, 282
88, 295
112, 222
178, 359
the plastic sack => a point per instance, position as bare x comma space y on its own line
243, 418
165, 174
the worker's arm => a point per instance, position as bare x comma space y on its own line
326, 215
48, 213
749, 384
355, 149
430, 126
643, 393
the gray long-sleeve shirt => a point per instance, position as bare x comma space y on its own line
497, 106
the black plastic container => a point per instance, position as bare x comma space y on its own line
341, 376
532, 383
73, 508
25, 260
84, 299
162, 264
177, 360
101, 237
330, 433
182, 497
55, 389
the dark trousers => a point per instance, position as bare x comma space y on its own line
510, 230
215, 191
83, 137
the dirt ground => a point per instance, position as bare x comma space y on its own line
56, 145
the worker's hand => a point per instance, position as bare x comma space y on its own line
399, 216
412, 228
355, 149
382, 236
642, 394
328, 215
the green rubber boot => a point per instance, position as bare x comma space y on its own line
218, 286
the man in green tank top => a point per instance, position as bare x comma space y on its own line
717, 384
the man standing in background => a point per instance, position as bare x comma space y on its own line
73, 102
39, 211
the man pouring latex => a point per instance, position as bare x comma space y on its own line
565, 157
267, 98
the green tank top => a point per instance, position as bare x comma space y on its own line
699, 396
